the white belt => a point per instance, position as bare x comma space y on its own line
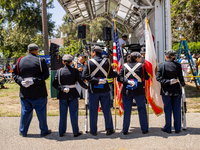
69, 86
29, 78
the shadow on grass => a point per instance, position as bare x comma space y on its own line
191, 91
134, 133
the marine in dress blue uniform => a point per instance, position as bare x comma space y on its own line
168, 74
131, 75
30, 74
64, 81
96, 72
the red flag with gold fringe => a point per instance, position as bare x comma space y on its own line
152, 86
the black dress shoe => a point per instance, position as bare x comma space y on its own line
47, 133
124, 133
144, 132
178, 131
61, 135
25, 135
78, 134
110, 132
165, 130
94, 134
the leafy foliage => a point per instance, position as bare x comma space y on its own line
15, 41
94, 31
185, 15
72, 48
193, 46
21, 24
26, 14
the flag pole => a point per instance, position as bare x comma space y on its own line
147, 104
146, 20
115, 100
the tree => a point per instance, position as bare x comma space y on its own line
193, 46
25, 17
15, 41
45, 28
94, 30
69, 28
72, 48
185, 16
26, 14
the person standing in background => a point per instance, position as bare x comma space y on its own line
185, 65
198, 64
143, 52
122, 44
80, 65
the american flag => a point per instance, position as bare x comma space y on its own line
117, 63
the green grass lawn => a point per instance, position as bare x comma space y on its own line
10, 103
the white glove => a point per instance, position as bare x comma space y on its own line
27, 82
24, 84
30, 82
173, 81
132, 83
102, 81
66, 90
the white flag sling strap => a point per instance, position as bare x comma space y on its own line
66, 86
132, 71
99, 67
40, 64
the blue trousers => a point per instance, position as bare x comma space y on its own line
27, 106
172, 103
73, 109
93, 108
127, 104
111, 94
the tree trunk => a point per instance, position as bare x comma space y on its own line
45, 28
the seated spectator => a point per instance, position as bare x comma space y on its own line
2, 80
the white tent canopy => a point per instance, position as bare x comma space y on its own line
126, 12
129, 14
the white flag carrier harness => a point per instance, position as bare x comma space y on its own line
132, 71
65, 86
99, 67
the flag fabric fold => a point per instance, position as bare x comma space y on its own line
117, 64
152, 86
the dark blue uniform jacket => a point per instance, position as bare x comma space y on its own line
68, 76
171, 70
93, 80
139, 71
29, 66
